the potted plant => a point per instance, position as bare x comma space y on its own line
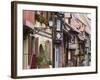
49, 62
39, 60
41, 19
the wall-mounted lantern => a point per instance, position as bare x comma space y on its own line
50, 22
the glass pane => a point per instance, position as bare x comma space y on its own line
58, 25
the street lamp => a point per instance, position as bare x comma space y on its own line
50, 22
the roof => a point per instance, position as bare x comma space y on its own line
85, 20
71, 27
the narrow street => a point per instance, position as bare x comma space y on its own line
56, 39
